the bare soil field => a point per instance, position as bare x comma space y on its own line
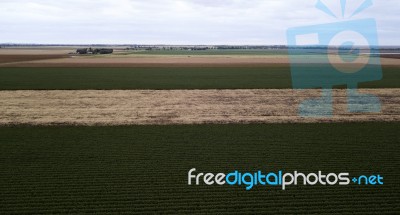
152, 107
6, 59
394, 56
21, 55
148, 61
168, 61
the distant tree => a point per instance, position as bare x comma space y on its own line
106, 51
82, 51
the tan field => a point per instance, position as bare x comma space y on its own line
36, 51
142, 107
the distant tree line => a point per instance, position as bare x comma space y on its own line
94, 51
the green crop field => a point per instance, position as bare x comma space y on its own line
272, 77
133, 169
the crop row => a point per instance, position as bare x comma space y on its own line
143, 169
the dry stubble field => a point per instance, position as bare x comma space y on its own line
124, 107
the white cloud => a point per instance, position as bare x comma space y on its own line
172, 21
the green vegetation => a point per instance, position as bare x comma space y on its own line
135, 169
272, 77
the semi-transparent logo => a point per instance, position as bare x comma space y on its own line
281, 179
341, 53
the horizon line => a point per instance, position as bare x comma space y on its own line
155, 44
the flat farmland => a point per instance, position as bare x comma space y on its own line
117, 134
143, 169
274, 76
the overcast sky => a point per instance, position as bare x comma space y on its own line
177, 21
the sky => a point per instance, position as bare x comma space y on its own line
179, 22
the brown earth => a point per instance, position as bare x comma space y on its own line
18, 56
153, 61
394, 56
146, 61
144, 107
5, 59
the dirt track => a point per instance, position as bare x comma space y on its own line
178, 107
